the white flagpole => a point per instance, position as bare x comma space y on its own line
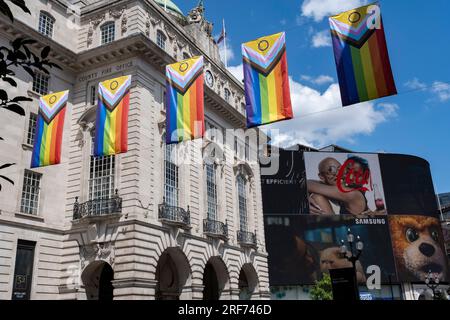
165, 5
225, 43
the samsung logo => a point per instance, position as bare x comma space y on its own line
370, 221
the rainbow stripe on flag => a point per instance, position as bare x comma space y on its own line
49, 129
184, 100
361, 55
266, 80
111, 134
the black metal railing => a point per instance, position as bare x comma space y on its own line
215, 228
246, 238
97, 207
174, 215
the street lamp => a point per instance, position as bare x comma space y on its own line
352, 252
432, 282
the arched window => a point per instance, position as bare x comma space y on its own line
242, 202
46, 22
161, 39
211, 191
170, 176
108, 31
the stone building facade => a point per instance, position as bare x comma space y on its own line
143, 224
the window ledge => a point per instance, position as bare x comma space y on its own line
29, 216
26, 146
33, 94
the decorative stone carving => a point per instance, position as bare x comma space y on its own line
196, 16
97, 20
154, 21
170, 33
116, 13
96, 252
90, 34
124, 24
148, 24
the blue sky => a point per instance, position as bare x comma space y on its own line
416, 121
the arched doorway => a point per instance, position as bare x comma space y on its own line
172, 274
215, 279
97, 279
211, 284
248, 282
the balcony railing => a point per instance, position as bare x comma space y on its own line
97, 207
174, 215
246, 238
215, 229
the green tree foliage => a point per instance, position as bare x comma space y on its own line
18, 56
322, 289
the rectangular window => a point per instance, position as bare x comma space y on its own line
23, 272
46, 25
211, 191
242, 200
170, 178
31, 134
93, 95
101, 176
235, 146
40, 83
30, 192
108, 33
161, 40
247, 148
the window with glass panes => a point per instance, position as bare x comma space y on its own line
108, 32
101, 176
227, 95
40, 83
247, 148
242, 201
170, 177
211, 191
93, 94
46, 24
161, 40
31, 134
30, 192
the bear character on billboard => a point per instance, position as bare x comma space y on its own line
418, 248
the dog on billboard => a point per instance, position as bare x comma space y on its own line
417, 246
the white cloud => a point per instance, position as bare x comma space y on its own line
442, 90
321, 39
320, 120
415, 84
318, 9
229, 52
320, 80
283, 22
237, 72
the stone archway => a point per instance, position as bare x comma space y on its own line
248, 282
97, 279
215, 279
173, 274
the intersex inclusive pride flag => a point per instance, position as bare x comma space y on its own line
111, 126
266, 79
49, 129
361, 55
184, 100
